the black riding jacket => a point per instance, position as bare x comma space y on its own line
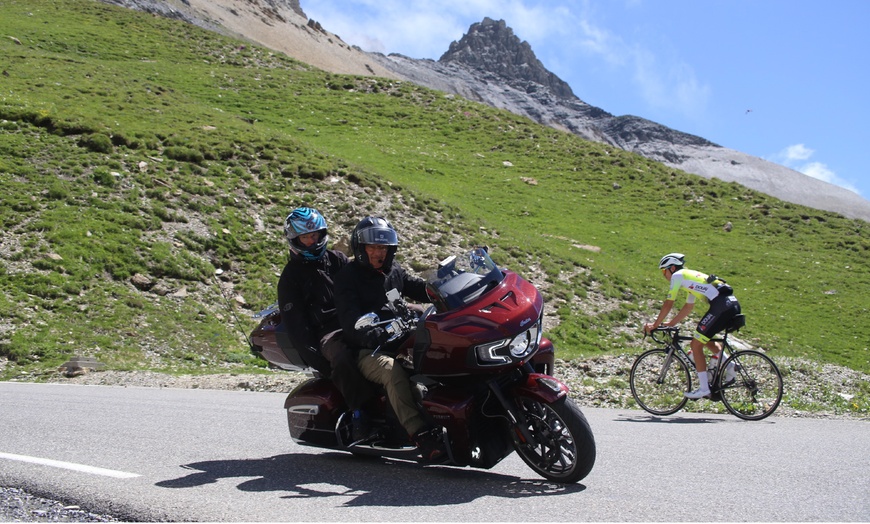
360, 289
306, 298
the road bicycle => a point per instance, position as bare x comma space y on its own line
751, 389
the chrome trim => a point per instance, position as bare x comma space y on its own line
304, 409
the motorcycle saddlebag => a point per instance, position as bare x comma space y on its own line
313, 408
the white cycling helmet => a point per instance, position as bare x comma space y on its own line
671, 260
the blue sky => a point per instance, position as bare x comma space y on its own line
784, 80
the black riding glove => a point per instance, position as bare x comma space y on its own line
375, 336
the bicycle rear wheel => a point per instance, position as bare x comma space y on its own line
757, 390
656, 388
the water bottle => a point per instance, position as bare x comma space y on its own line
714, 363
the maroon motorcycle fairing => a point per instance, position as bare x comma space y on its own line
502, 312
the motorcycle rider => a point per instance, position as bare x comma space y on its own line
360, 288
723, 308
306, 299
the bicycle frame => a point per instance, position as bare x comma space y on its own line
675, 347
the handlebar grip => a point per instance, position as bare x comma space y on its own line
670, 331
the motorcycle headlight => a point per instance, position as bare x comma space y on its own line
505, 350
523, 344
489, 354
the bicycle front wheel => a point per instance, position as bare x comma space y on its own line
756, 391
658, 382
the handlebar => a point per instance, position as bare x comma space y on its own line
404, 322
669, 334
666, 334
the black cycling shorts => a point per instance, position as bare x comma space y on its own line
722, 311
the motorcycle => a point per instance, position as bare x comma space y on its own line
479, 368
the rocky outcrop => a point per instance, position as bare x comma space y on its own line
491, 47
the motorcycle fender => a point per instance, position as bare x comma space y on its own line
544, 359
542, 388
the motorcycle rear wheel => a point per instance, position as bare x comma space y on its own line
563, 449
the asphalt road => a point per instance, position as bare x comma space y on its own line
149, 454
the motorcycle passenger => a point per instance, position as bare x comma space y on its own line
360, 288
306, 299
723, 308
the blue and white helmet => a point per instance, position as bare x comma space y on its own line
301, 221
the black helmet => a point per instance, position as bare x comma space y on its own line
301, 221
373, 230
672, 260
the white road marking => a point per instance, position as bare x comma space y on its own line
69, 465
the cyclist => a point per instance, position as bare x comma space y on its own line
723, 308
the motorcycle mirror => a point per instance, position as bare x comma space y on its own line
447, 261
366, 321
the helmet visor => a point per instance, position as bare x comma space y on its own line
378, 235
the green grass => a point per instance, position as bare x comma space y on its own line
135, 144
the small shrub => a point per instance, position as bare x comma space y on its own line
97, 142
57, 191
103, 177
184, 154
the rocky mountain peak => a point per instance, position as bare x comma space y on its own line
491, 47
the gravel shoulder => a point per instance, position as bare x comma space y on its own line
601, 382
19, 506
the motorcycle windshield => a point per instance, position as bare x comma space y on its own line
460, 279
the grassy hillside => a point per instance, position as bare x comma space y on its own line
135, 145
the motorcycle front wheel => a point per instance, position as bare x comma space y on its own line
562, 447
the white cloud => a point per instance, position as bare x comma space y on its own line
796, 157
820, 171
599, 42
671, 86
796, 152
665, 83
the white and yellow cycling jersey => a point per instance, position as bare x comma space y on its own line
695, 284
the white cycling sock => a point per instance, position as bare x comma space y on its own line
702, 378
